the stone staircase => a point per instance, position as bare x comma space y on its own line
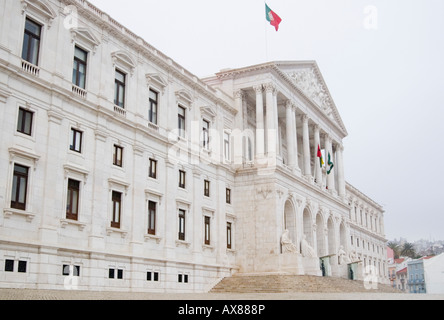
293, 283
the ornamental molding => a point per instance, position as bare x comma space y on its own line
41, 8
85, 37
308, 81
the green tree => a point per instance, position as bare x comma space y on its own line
408, 250
396, 249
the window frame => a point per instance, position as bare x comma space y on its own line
31, 36
18, 177
182, 121
207, 188
77, 63
69, 201
152, 217
206, 134
153, 117
116, 218
182, 179
74, 135
118, 156
228, 196
229, 235
207, 230
22, 119
182, 224
118, 87
153, 169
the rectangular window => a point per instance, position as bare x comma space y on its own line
31, 42
152, 276
181, 119
206, 134
118, 156
152, 112
111, 273
9, 265
117, 209
228, 196
76, 140
206, 188
24, 123
22, 266
119, 89
229, 235
227, 154
153, 169
19, 187
182, 225
70, 270
207, 230
72, 202
79, 68
152, 208
182, 179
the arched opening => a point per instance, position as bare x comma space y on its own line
290, 220
308, 226
331, 237
320, 235
343, 236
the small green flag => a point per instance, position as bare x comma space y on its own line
330, 163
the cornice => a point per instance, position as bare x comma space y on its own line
128, 37
275, 67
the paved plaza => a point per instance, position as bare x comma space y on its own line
22, 294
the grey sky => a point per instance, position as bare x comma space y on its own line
388, 83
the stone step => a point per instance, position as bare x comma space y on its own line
293, 283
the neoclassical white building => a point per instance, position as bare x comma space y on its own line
121, 170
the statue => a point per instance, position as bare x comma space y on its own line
307, 250
287, 245
343, 258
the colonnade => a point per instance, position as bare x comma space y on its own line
300, 159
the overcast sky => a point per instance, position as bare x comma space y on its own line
383, 62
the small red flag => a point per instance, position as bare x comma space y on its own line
272, 17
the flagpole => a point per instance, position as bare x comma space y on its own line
266, 38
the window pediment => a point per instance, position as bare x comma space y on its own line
184, 97
85, 37
156, 80
123, 60
208, 112
41, 8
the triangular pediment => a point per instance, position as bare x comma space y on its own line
122, 59
40, 7
307, 77
156, 80
85, 36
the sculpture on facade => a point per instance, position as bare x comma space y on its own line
307, 250
287, 245
342, 256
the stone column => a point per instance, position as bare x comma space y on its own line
290, 134
340, 167
318, 170
306, 145
295, 137
238, 150
260, 126
271, 121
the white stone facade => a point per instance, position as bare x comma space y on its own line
121, 170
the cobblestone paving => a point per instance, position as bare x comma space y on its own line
21, 294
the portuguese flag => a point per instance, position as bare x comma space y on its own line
321, 159
272, 17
